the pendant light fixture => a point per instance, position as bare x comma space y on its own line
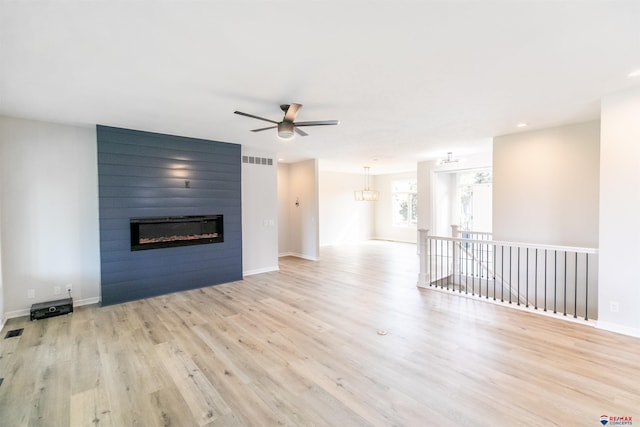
366, 195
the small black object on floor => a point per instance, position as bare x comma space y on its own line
51, 308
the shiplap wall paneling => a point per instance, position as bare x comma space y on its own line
144, 174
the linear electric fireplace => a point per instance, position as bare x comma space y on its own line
166, 232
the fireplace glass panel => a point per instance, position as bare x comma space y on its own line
164, 232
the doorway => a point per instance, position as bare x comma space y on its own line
463, 198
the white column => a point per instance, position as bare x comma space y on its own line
423, 254
618, 290
455, 233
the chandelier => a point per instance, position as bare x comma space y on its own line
366, 195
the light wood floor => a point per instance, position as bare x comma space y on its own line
300, 347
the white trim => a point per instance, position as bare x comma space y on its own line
620, 329
297, 255
422, 281
87, 301
384, 239
27, 311
17, 313
260, 270
514, 244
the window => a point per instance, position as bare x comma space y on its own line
404, 202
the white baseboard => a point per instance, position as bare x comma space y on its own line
297, 255
87, 301
620, 329
422, 281
17, 313
521, 307
27, 311
397, 240
260, 270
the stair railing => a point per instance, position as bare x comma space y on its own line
557, 279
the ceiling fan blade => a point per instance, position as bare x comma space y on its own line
300, 132
254, 117
318, 123
261, 129
292, 112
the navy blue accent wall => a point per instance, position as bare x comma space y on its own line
143, 174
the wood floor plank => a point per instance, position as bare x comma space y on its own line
300, 347
170, 408
203, 400
85, 357
247, 407
18, 386
50, 402
90, 408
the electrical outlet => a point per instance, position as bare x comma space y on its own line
614, 306
56, 290
31, 293
69, 287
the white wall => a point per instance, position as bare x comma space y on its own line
619, 213
546, 186
284, 245
342, 219
384, 228
303, 230
2, 318
49, 223
445, 203
424, 195
259, 214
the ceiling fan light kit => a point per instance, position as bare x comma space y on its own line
285, 130
288, 125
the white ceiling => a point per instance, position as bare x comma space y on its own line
409, 80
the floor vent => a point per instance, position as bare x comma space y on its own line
14, 333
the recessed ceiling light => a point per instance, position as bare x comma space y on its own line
521, 125
635, 73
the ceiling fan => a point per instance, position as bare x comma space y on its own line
288, 125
